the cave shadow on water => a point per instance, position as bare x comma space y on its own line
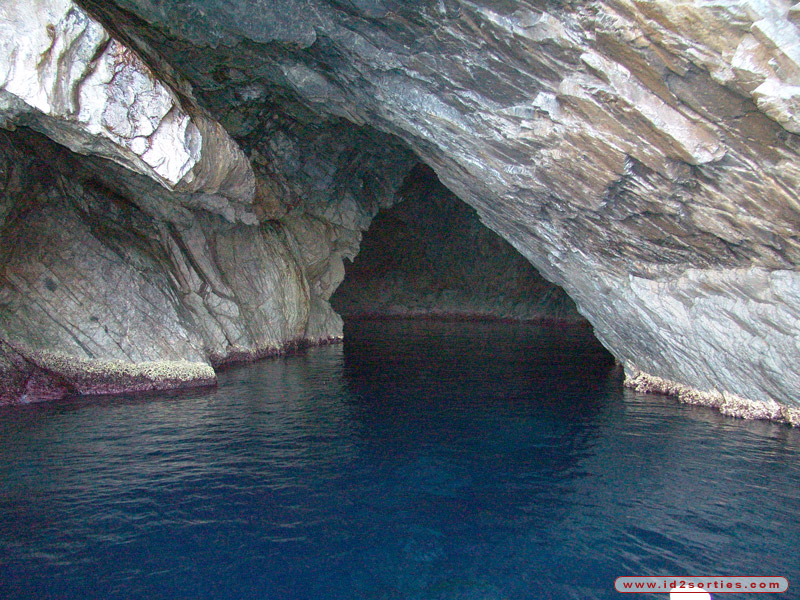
420, 460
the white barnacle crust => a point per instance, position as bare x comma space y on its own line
727, 403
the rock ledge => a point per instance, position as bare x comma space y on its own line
727, 403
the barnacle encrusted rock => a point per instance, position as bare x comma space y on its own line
115, 376
727, 403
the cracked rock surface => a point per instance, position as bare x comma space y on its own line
65, 76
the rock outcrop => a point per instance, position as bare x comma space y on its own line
126, 270
66, 77
642, 155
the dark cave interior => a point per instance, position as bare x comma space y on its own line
429, 255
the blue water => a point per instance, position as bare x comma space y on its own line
420, 460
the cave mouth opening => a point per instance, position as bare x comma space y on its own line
429, 256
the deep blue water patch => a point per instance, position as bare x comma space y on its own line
421, 460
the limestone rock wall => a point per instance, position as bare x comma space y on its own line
643, 155
111, 281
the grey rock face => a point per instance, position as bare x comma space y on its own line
429, 255
63, 75
107, 289
149, 271
82, 310
641, 155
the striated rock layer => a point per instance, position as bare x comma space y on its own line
126, 271
643, 155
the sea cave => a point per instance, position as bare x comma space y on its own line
380, 293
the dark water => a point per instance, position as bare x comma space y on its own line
419, 461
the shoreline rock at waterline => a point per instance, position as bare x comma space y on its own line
44, 376
28, 377
728, 404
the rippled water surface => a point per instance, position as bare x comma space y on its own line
418, 461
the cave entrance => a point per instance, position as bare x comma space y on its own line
429, 255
